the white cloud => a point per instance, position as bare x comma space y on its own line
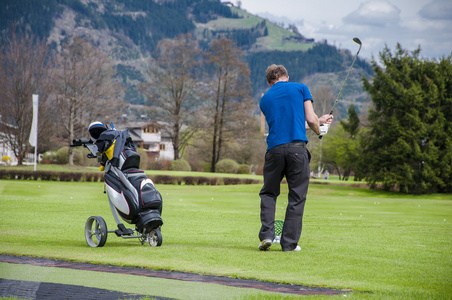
374, 13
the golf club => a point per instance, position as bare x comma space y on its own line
324, 127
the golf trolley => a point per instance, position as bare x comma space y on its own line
131, 194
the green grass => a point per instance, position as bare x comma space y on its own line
378, 244
274, 40
276, 34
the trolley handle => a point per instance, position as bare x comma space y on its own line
87, 143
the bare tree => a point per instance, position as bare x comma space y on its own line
323, 99
171, 89
244, 141
85, 87
230, 82
25, 66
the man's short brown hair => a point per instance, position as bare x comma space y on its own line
275, 72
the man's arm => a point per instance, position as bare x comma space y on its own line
311, 117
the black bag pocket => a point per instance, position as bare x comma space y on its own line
148, 195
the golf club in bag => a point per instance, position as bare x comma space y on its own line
324, 127
131, 194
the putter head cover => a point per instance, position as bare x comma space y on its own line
324, 129
95, 129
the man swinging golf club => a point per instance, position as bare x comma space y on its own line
288, 110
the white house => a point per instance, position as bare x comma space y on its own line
5, 149
153, 139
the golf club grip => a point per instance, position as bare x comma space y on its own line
331, 113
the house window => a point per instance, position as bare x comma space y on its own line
150, 129
162, 147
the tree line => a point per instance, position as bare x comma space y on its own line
191, 92
204, 100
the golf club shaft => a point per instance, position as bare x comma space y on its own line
340, 92
356, 40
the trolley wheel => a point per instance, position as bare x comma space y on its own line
155, 238
96, 231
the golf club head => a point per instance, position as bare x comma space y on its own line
357, 40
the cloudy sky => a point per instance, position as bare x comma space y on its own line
377, 23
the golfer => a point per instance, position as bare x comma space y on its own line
288, 110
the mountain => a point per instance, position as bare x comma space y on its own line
129, 30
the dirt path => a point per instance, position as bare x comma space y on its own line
55, 290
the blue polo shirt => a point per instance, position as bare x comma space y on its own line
283, 107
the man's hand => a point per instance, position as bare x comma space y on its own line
326, 119
325, 122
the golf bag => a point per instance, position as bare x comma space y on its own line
131, 193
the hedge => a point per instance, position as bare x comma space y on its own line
99, 177
51, 175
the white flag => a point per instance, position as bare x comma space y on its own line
34, 126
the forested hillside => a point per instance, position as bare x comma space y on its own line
129, 30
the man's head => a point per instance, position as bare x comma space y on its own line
276, 73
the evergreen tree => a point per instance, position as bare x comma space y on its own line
352, 124
409, 146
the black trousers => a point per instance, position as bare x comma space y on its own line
290, 160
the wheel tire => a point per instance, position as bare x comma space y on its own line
96, 232
155, 238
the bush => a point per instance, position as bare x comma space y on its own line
160, 165
205, 167
49, 157
144, 159
191, 180
80, 158
180, 165
62, 156
198, 165
231, 181
166, 164
165, 179
244, 169
99, 177
45, 161
227, 166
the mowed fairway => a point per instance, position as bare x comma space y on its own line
375, 243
